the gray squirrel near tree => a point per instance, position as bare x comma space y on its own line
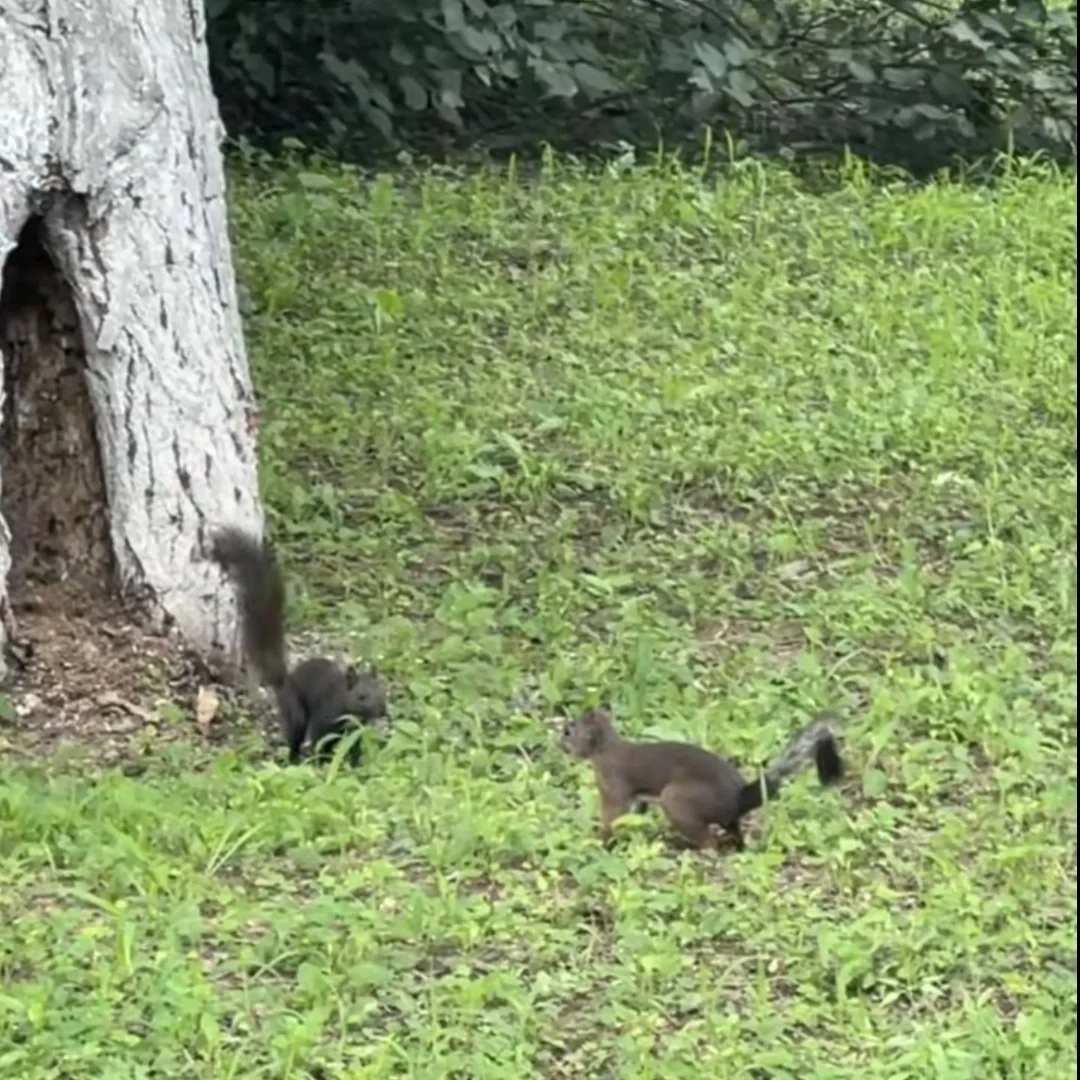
319, 701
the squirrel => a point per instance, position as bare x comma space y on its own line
317, 700
695, 787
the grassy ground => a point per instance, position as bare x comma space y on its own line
728, 453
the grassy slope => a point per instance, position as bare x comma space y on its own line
731, 453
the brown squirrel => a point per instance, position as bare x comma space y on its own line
318, 700
695, 787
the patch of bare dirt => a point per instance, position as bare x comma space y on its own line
86, 672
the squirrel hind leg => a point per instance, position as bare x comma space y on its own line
688, 813
734, 835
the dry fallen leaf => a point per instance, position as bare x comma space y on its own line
30, 704
206, 707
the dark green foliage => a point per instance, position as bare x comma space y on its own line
338, 68
910, 83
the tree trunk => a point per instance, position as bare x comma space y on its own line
128, 416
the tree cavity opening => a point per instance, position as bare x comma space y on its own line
52, 488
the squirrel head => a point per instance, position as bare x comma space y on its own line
366, 696
589, 734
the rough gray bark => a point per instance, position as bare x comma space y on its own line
110, 137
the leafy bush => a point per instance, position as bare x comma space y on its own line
285, 65
915, 83
898, 81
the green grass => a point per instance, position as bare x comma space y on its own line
725, 452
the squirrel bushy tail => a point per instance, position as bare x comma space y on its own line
260, 589
317, 700
815, 742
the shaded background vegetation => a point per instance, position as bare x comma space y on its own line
911, 83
